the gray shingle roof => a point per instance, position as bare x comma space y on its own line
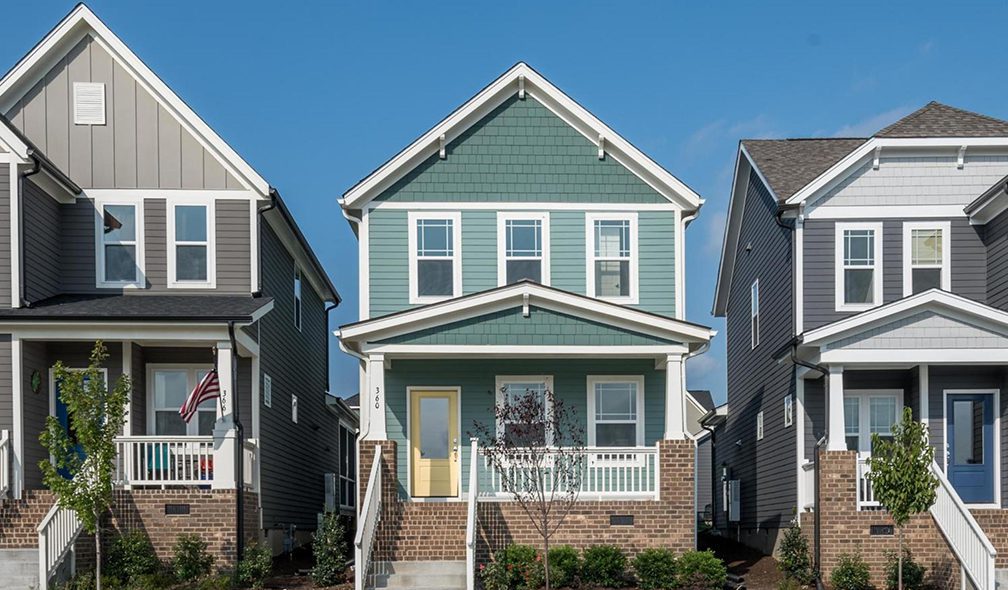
140, 308
939, 120
790, 164
703, 397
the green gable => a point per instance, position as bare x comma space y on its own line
542, 327
521, 151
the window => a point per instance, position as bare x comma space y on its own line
120, 251
615, 411
294, 409
926, 256
297, 297
523, 247
788, 410
267, 391
513, 389
170, 386
190, 248
852, 422
759, 426
858, 269
612, 257
754, 313
347, 467
89, 103
867, 413
435, 244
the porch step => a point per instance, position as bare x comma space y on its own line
422, 575
19, 568
1000, 579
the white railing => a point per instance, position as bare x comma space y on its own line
250, 463
56, 535
471, 524
865, 494
164, 461
5, 452
625, 472
367, 523
971, 546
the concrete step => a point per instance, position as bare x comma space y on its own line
421, 575
19, 568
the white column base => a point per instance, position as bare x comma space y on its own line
225, 474
835, 410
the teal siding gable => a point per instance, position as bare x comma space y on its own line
542, 327
521, 151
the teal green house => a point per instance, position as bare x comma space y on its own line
520, 247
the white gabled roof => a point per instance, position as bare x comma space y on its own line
80, 22
522, 78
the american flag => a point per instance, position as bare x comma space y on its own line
208, 388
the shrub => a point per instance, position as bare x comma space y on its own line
700, 570
565, 566
132, 556
330, 548
851, 573
191, 560
604, 565
221, 582
523, 567
794, 556
913, 572
656, 569
157, 581
789, 584
494, 575
255, 566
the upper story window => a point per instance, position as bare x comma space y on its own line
435, 251
926, 263
615, 411
522, 247
119, 256
754, 313
190, 247
297, 297
531, 390
612, 256
858, 266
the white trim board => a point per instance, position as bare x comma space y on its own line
543, 217
632, 297
210, 243
455, 217
838, 265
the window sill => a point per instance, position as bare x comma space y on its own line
857, 307
191, 285
114, 285
633, 300
427, 300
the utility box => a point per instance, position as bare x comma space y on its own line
734, 500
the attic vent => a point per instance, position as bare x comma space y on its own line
89, 103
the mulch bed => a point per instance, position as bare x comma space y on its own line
290, 572
759, 571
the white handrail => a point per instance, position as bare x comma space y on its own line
56, 535
964, 535
367, 522
471, 517
624, 472
5, 449
164, 460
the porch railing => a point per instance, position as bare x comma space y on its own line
56, 535
865, 495
625, 472
471, 524
367, 525
5, 453
162, 461
250, 463
968, 541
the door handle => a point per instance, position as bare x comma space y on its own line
455, 448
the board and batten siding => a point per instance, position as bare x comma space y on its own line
756, 381
141, 145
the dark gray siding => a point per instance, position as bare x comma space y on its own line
234, 246
6, 389
757, 382
138, 412
704, 474
5, 261
294, 456
996, 242
41, 215
815, 414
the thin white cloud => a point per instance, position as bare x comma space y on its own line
867, 127
710, 136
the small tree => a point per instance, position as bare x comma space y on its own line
536, 449
901, 475
83, 455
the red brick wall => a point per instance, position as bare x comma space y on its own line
19, 519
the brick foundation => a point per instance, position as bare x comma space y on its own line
412, 531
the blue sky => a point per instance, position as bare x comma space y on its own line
317, 94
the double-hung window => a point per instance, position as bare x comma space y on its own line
435, 251
119, 228
615, 411
190, 247
926, 250
858, 266
523, 247
528, 392
754, 314
868, 413
611, 242
347, 466
169, 386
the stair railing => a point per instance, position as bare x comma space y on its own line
56, 536
968, 541
367, 523
471, 524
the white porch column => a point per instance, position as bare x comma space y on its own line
225, 435
17, 437
374, 398
835, 410
675, 390
925, 390
127, 369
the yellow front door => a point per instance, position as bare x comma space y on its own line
434, 443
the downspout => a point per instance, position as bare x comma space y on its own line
817, 538
35, 169
240, 462
259, 212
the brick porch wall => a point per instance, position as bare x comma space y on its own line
413, 531
846, 530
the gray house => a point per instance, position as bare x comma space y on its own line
860, 277
125, 218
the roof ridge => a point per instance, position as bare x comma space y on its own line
910, 117
931, 106
851, 138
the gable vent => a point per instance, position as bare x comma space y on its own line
89, 103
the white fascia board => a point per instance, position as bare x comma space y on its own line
12, 145
177, 333
552, 98
909, 357
82, 21
401, 351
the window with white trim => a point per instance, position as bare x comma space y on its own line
926, 256
523, 247
120, 251
512, 389
190, 245
297, 297
435, 244
169, 387
868, 413
788, 410
615, 411
612, 256
858, 266
759, 426
754, 314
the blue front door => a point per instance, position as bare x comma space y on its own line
970, 439
64, 420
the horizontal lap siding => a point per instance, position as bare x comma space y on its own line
388, 260
6, 387
41, 220
234, 246
996, 242
479, 251
567, 251
5, 252
656, 267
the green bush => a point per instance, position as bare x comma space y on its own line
913, 572
851, 573
494, 575
604, 565
523, 566
795, 561
255, 566
700, 570
157, 581
220, 582
655, 569
330, 548
565, 566
191, 560
131, 556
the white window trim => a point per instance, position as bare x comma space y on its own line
946, 267
211, 282
267, 390
759, 425
413, 217
298, 296
864, 413
499, 396
294, 409
788, 410
502, 218
100, 282
838, 263
191, 383
590, 219
593, 380
754, 314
